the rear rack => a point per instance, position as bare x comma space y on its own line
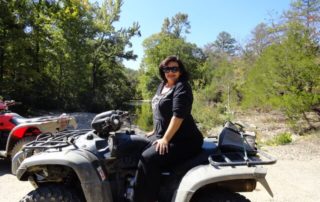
240, 159
58, 140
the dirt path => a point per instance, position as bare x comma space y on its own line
295, 177
11, 190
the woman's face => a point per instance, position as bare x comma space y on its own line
172, 72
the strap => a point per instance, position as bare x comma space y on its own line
244, 147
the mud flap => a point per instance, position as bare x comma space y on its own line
265, 184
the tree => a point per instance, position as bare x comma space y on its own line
260, 39
168, 42
221, 70
178, 25
67, 50
224, 44
159, 46
287, 75
307, 13
108, 82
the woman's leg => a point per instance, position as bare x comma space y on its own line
128, 145
151, 165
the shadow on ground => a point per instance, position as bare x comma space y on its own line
5, 166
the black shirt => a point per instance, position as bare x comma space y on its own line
176, 102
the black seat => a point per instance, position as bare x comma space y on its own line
209, 147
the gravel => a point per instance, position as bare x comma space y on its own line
295, 176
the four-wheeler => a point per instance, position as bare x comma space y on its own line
15, 130
99, 165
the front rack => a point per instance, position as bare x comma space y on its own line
240, 159
58, 140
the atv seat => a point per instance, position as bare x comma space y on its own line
209, 147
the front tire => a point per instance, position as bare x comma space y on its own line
18, 146
52, 193
218, 196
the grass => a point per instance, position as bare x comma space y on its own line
280, 139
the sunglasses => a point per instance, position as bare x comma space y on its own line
170, 69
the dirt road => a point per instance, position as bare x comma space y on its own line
11, 190
295, 177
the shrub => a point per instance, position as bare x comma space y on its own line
281, 139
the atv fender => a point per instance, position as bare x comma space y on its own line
17, 133
203, 175
84, 164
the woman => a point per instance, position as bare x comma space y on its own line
175, 136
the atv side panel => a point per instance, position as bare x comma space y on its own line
82, 162
204, 175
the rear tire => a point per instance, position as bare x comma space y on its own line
18, 146
51, 193
218, 196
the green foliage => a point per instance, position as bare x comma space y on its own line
206, 114
222, 77
286, 76
168, 42
178, 25
144, 119
280, 139
306, 13
157, 48
69, 51
224, 44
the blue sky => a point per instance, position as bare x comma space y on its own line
207, 18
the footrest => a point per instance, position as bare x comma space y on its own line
3, 153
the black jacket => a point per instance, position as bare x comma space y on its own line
177, 102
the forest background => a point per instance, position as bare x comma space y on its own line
68, 55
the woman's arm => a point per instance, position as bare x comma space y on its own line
162, 144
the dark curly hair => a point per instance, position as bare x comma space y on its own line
184, 74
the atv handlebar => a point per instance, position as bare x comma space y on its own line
109, 121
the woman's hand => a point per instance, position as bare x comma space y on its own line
162, 146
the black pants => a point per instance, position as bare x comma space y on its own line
151, 165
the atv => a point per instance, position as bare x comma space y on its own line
15, 130
100, 164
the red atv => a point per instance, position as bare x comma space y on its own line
15, 130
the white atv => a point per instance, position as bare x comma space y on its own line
100, 165
15, 130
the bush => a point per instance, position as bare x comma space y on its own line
281, 139
208, 115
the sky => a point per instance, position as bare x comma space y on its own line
207, 19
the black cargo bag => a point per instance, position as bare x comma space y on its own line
233, 139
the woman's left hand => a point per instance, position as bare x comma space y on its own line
162, 146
